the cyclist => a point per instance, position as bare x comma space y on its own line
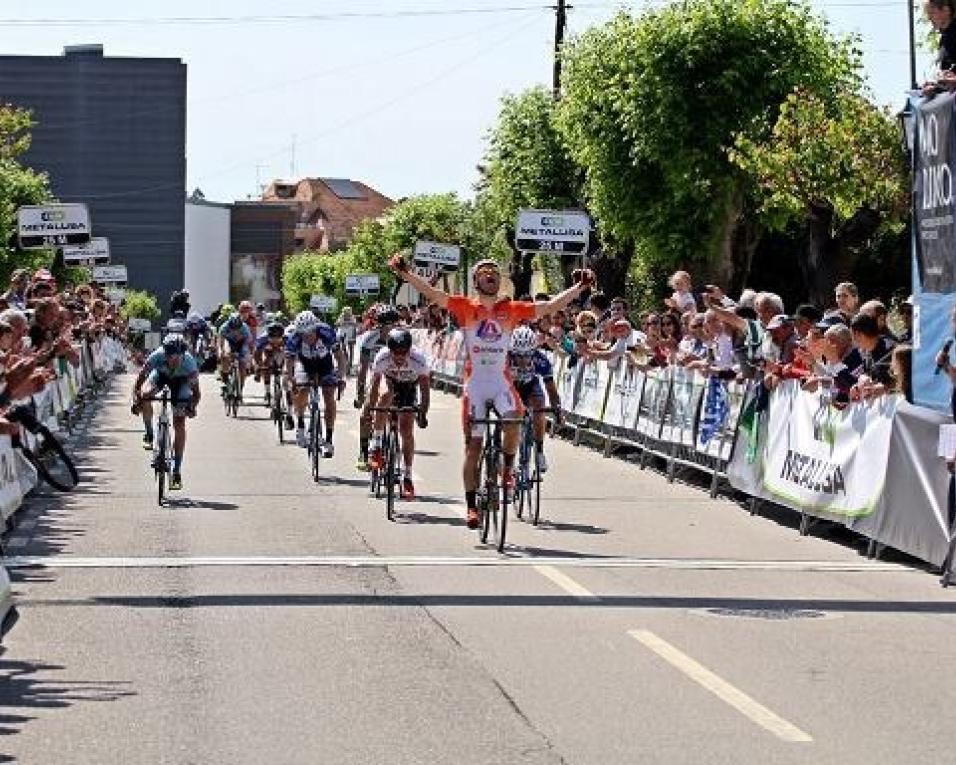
529, 368
406, 375
313, 357
235, 341
179, 303
197, 327
369, 345
170, 366
269, 349
487, 322
248, 314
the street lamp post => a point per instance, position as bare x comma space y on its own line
912, 25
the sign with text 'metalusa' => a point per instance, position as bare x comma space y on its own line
96, 252
934, 213
566, 232
53, 225
444, 257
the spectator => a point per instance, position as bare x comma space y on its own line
901, 369
782, 340
693, 346
875, 349
16, 296
878, 311
179, 303
671, 334
940, 14
804, 318
847, 300
841, 364
20, 326
682, 299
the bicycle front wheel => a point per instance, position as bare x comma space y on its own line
391, 476
315, 450
50, 460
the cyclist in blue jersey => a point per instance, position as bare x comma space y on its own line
314, 356
235, 341
530, 368
269, 349
169, 366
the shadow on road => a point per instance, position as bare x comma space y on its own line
26, 687
199, 504
580, 528
422, 518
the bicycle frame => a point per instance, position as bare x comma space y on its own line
394, 464
492, 496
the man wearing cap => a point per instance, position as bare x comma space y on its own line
780, 349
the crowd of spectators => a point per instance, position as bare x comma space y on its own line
40, 326
848, 348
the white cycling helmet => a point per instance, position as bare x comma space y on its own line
523, 340
306, 322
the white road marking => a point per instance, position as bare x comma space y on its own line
371, 561
726, 692
566, 583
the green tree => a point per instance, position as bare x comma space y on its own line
19, 186
653, 104
833, 167
526, 165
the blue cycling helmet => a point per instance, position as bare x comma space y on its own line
234, 322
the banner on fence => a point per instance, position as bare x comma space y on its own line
824, 460
653, 407
687, 389
624, 397
594, 378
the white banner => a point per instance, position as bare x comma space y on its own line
624, 397
110, 274
362, 284
446, 257
53, 225
561, 231
96, 252
595, 376
824, 460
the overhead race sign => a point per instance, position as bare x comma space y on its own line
140, 325
562, 231
446, 257
55, 225
109, 274
323, 303
96, 252
362, 284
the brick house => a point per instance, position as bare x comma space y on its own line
329, 209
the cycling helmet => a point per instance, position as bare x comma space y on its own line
275, 329
194, 318
245, 305
260, 306
306, 322
523, 340
280, 318
399, 339
176, 326
386, 315
484, 263
174, 345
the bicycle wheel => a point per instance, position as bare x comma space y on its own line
391, 475
501, 518
277, 414
315, 451
534, 509
521, 484
50, 460
159, 464
489, 515
234, 387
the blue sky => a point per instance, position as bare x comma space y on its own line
401, 101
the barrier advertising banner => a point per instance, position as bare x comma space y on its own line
594, 380
653, 405
624, 397
824, 460
687, 389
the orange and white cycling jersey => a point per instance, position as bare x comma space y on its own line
487, 334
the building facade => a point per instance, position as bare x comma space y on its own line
111, 132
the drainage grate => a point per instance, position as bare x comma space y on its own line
771, 614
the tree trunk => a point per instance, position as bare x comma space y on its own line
817, 266
611, 269
520, 271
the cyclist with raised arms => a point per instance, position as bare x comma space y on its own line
530, 368
406, 375
313, 356
370, 344
487, 322
235, 341
269, 348
169, 366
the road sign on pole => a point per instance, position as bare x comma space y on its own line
96, 252
563, 232
323, 303
53, 225
446, 257
109, 274
362, 284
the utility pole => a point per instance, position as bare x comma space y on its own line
560, 25
912, 30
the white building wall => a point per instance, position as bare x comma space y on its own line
207, 255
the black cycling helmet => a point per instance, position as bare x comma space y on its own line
399, 339
174, 345
386, 315
275, 329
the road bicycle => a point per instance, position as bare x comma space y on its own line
391, 473
493, 499
232, 389
43, 450
277, 405
528, 478
163, 448
315, 429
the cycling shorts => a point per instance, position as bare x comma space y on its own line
180, 390
529, 390
403, 393
319, 371
500, 393
239, 349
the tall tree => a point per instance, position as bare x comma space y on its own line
19, 186
526, 165
834, 168
653, 103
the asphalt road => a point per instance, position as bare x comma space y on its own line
264, 619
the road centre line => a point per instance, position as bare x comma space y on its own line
360, 561
726, 692
567, 584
